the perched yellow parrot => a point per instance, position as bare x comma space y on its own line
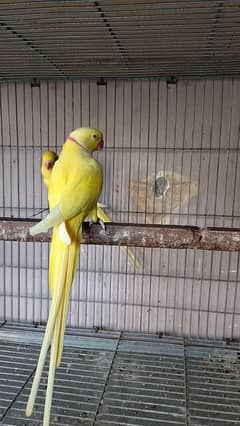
74, 186
48, 160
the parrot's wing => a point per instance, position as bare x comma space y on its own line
79, 194
74, 200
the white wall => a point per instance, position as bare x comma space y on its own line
190, 131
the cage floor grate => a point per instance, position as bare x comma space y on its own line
111, 378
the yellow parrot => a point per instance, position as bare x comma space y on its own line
48, 160
74, 186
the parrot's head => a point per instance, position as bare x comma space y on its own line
48, 159
89, 138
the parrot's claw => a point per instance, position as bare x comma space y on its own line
102, 224
100, 221
90, 223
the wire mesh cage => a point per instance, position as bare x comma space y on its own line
185, 135
150, 342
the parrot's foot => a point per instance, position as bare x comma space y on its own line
102, 224
100, 221
90, 222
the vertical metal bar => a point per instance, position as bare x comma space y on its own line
191, 169
18, 199
180, 202
93, 249
164, 171
151, 135
4, 203
236, 301
52, 142
122, 216
154, 200
217, 176
11, 197
111, 261
80, 276
235, 188
33, 201
48, 114
41, 201
177, 252
225, 334
205, 224
25, 191
102, 124
99, 251
139, 170
146, 207
128, 202
160, 84
198, 206
137, 136
196, 216
87, 249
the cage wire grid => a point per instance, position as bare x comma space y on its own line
115, 378
119, 39
171, 157
186, 134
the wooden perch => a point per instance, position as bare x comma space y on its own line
164, 236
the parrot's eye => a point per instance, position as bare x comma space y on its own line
94, 137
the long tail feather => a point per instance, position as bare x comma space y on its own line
127, 250
48, 333
51, 374
62, 323
72, 262
71, 253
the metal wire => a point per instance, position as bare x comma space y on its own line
187, 131
121, 379
119, 39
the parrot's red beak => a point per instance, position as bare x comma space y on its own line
100, 145
48, 165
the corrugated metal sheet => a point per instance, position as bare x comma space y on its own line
190, 132
109, 38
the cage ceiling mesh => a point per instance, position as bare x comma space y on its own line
118, 38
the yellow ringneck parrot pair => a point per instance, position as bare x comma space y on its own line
74, 182
74, 186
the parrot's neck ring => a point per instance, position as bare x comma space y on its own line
79, 143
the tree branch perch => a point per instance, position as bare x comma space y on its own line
135, 235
